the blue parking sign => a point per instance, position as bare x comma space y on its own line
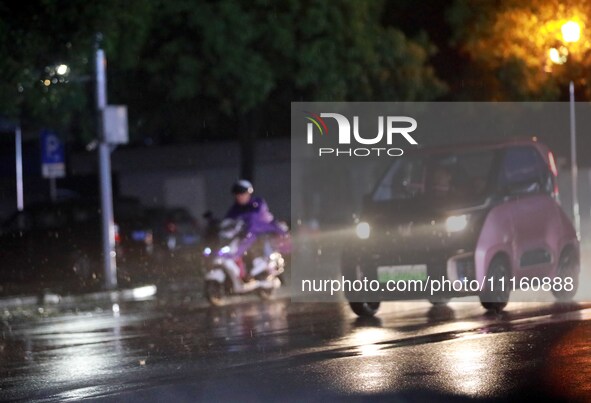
53, 161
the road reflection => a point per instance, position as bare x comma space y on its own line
456, 349
475, 365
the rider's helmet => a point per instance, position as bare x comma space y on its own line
242, 186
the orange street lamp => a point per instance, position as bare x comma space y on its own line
571, 31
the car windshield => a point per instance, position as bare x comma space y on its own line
437, 176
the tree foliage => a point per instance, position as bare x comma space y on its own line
38, 35
189, 69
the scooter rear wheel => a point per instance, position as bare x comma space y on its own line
214, 293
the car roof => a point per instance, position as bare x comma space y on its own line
60, 204
479, 146
122, 207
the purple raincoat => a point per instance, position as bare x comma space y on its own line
258, 220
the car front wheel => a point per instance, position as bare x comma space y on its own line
365, 309
439, 301
568, 272
495, 298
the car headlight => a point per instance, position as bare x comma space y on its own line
363, 230
456, 223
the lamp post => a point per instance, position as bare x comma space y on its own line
571, 32
104, 148
574, 170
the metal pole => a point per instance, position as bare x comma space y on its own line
19, 169
109, 254
573, 167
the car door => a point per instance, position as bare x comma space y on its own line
523, 177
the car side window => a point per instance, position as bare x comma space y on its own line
180, 216
523, 171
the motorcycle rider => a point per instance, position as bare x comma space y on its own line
257, 218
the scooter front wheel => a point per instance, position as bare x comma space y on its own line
214, 293
267, 293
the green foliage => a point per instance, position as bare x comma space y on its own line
347, 55
36, 36
190, 68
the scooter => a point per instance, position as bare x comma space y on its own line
226, 275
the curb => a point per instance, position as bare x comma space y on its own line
129, 294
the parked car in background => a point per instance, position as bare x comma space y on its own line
176, 232
60, 244
484, 214
136, 238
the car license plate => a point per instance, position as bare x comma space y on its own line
138, 235
402, 272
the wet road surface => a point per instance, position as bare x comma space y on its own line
175, 348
